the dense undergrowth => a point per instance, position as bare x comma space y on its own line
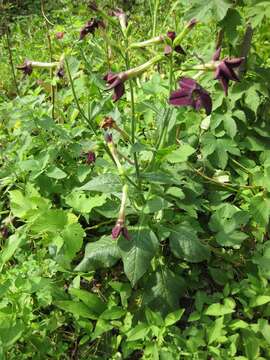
134, 215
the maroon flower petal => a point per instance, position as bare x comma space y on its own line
119, 91
179, 98
171, 35
168, 50
206, 102
179, 49
116, 231
216, 55
125, 233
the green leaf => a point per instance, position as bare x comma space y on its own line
163, 290
173, 317
11, 333
140, 331
113, 313
138, 252
259, 300
215, 330
12, 244
260, 209
56, 173
105, 183
203, 11
99, 254
264, 329
83, 203
92, 301
181, 154
220, 309
76, 308
185, 244
72, 235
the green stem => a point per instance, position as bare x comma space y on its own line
155, 17
11, 61
133, 122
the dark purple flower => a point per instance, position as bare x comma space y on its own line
169, 49
191, 94
26, 67
225, 69
119, 229
60, 72
4, 232
108, 137
91, 26
115, 82
90, 158
171, 35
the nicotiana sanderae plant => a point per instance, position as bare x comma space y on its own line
189, 93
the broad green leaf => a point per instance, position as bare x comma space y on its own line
220, 309
83, 203
113, 313
181, 154
163, 290
11, 333
106, 183
259, 300
140, 331
185, 244
99, 254
12, 244
173, 317
215, 330
56, 173
91, 300
138, 252
72, 235
264, 329
76, 308
102, 326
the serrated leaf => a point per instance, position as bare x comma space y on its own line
138, 252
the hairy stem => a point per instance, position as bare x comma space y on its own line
11, 63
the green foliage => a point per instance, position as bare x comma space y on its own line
190, 279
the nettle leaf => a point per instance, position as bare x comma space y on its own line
99, 254
83, 203
138, 252
185, 244
106, 183
221, 309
